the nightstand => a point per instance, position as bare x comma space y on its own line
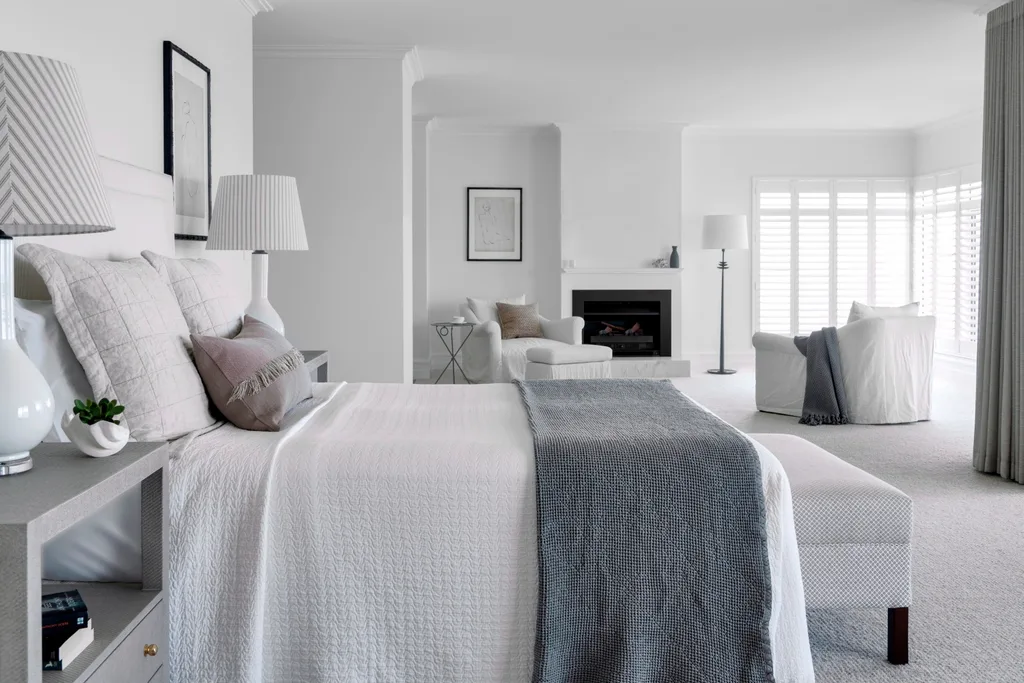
130, 620
316, 363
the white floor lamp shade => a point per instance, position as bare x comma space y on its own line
49, 185
260, 213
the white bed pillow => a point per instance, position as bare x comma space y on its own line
126, 329
41, 337
859, 311
486, 310
203, 293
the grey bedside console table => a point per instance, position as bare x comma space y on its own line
316, 364
130, 619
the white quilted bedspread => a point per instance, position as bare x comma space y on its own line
388, 534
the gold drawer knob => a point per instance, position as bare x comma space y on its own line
149, 650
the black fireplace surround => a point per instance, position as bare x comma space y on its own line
632, 322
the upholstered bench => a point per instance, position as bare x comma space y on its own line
854, 535
575, 361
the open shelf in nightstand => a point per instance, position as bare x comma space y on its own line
115, 608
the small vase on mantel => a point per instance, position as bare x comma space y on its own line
673, 260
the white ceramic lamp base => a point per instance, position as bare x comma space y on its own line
26, 401
260, 307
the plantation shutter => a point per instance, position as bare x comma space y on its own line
969, 262
774, 285
814, 255
823, 244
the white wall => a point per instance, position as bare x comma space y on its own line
342, 127
621, 195
515, 157
116, 46
948, 145
717, 173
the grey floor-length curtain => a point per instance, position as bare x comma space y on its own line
999, 424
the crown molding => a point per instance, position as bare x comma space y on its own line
622, 126
970, 116
987, 7
397, 52
412, 65
703, 131
254, 7
457, 126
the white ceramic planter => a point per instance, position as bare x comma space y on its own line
98, 440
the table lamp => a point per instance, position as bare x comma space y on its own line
259, 213
724, 232
49, 185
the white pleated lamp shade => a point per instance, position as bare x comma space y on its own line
49, 175
257, 213
725, 232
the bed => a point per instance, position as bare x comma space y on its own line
387, 533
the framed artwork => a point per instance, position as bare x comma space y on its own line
187, 148
494, 224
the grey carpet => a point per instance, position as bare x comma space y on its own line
967, 618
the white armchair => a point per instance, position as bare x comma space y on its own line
486, 357
887, 370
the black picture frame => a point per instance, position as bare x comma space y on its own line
197, 229
515, 255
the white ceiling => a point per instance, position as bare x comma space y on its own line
823, 64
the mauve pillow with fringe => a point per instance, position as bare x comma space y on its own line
255, 378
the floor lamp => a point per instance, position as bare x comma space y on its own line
724, 232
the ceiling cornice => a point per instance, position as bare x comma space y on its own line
987, 7
706, 131
457, 126
398, 52
622, 126
254, 7
412, 65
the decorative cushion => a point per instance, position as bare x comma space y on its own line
518, 322
859, 311
569, 354
255, 378
124, 325
41, 338
202, 292
486, 310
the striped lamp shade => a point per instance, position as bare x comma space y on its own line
49, 175
257, 213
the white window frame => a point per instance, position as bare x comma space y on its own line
795, 245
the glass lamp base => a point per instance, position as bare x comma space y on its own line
18, 466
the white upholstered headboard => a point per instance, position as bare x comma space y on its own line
143, 206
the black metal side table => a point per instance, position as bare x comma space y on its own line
445, 330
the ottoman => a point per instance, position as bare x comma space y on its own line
853, 531
569, 361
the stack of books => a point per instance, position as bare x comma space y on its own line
67, 629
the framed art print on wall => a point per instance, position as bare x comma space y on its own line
187, 148
494, 224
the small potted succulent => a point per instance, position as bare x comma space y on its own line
95, 427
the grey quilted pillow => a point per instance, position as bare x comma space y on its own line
202, 292
124, 325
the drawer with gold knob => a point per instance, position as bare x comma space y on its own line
140, 655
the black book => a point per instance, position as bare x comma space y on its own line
63, 612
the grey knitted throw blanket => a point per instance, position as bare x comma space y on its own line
651, 537
824, 392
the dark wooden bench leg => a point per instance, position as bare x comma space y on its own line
899, 635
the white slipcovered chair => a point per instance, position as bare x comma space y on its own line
886, 363
486, 357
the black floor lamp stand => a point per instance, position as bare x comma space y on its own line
721, 369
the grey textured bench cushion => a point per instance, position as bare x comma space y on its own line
853, 529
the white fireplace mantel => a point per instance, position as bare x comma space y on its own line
622, 271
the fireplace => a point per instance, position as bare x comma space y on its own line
631, 322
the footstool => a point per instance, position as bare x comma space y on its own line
853, 531
569, 361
